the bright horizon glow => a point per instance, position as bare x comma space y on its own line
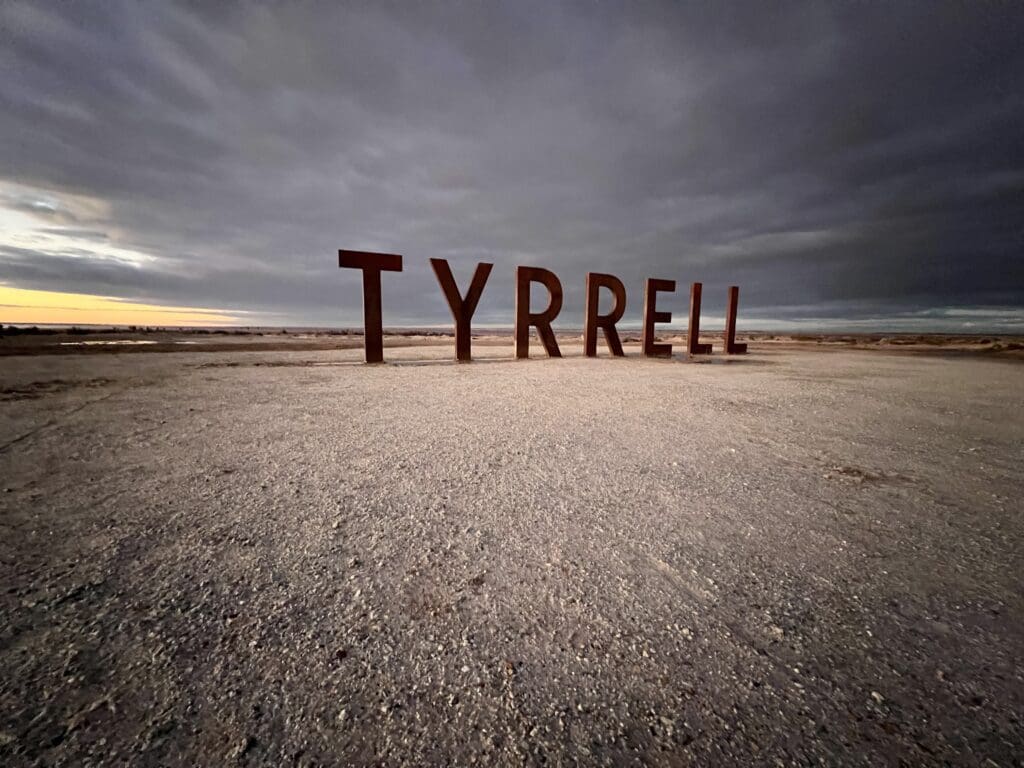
28, 307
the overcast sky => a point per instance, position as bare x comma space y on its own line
843, 163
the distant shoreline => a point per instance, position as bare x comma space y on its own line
48, 340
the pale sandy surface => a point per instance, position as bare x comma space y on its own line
285, 558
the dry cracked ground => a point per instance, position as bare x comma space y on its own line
287, 558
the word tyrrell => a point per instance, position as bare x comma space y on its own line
463, 307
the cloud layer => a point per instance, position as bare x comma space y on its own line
847, 164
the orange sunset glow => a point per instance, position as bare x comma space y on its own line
28, 307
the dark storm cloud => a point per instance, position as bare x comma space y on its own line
845, 161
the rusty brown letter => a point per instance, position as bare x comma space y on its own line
731, 347
693, 345
592, 321
542, 320
652, 316
462, 308
372, 264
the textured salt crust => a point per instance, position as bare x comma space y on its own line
292, 558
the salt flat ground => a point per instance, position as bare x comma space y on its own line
287, 558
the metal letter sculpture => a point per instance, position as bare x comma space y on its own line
372, 265
541, 320
693, 345
652, 316
595, 282
731, 347
462, 308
